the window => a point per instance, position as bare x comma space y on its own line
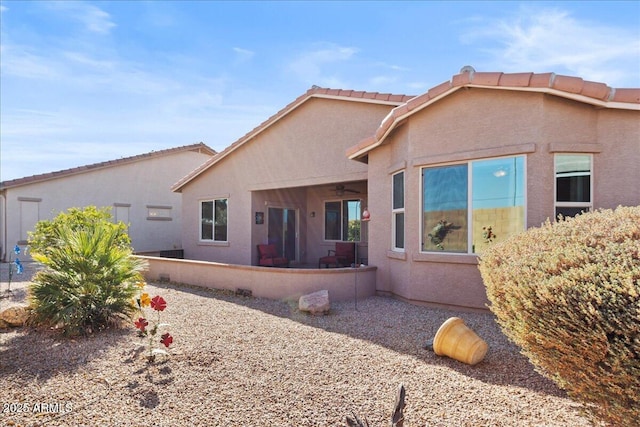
342, 220
397, 211
213, 220
467, 206
158, 213
573, 184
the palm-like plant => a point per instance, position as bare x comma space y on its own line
89, 280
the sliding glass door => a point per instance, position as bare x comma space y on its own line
282, 231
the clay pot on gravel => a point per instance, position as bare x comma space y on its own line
455, 340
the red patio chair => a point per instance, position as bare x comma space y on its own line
268, 257
343, 255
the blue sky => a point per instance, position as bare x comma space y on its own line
84, 82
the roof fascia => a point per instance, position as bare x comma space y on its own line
352, 99
563, 94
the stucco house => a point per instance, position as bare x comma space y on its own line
443, 174
137, 188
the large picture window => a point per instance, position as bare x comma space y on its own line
573, 184
213, 220
342, 220
470, 205
398, 211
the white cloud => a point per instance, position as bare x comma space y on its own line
243, 55
21, 62
552, 40
91, 17
310, 67
378, 81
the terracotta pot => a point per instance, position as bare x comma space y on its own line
456, 340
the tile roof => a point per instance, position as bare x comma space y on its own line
598, 94
200, 147
313, 92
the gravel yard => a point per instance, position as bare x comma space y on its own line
238, 361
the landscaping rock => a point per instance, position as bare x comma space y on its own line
15, 316
315, 303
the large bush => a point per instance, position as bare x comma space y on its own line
568, 293
90, 275
45, 235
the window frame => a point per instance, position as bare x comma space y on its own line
344, 233
213, 224
398, 211
560, 204
469, 164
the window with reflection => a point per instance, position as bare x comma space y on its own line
470, 205
213, 220
573, 184
342, 220
397, 211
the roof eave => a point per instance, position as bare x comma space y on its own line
357, 153
362, 152
177, 187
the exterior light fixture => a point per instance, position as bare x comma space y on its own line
366, 216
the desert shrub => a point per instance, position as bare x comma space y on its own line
568, 294
44, 237
89, 279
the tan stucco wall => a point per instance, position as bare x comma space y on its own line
137, 185
304, 153
273, 283
480, 123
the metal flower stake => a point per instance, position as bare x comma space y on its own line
17, 263
158, 304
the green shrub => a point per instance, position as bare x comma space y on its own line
568, 294
89, 279
44, 236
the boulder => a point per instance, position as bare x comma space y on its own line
315, 303
15, 316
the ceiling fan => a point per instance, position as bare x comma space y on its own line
340, 190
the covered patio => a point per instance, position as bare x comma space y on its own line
304, 223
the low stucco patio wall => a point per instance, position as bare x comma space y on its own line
264, 282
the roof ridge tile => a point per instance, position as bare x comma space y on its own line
486, 78
622, 94
515, 79
568, 83
542, 80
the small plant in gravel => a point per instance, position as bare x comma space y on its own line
158, 305
568, 293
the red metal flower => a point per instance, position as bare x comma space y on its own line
166, 339
158, 303
141, 324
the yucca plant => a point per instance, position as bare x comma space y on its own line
89, 279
